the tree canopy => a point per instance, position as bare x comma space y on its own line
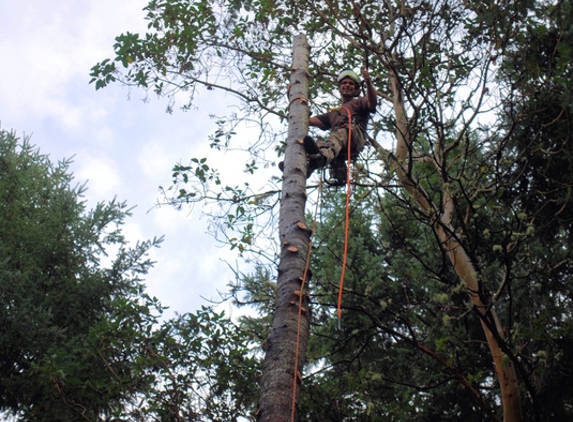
461, 212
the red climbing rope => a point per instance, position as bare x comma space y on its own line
346, 221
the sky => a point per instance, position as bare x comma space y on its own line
122, 145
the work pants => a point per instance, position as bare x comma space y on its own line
337, 144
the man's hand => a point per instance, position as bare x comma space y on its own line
371, 93
365, 74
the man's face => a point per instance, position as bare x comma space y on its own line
348, 88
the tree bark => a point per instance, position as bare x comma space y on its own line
286, 345
459, 258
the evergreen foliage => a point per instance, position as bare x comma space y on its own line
79, 337
70, 326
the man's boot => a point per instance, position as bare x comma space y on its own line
310, 146
338, 172
315, 159
314, 156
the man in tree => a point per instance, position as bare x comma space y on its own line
346, 123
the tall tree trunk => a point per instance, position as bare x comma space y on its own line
282, 367
461, 262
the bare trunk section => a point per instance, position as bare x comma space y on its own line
462, 263
280, 386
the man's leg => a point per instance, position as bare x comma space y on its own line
337, 148
331, 147
325, 152
358, 142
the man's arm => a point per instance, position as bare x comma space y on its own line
371, 94
315, 121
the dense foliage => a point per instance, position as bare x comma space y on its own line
79, 337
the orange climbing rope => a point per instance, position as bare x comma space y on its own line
346, 221
300, 296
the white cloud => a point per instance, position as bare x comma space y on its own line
154, 159
49, 44
125, 148
103, 179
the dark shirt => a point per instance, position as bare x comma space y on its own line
339, 117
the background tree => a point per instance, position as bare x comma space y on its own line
461, 118
59, 304
538, 73
80, 339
